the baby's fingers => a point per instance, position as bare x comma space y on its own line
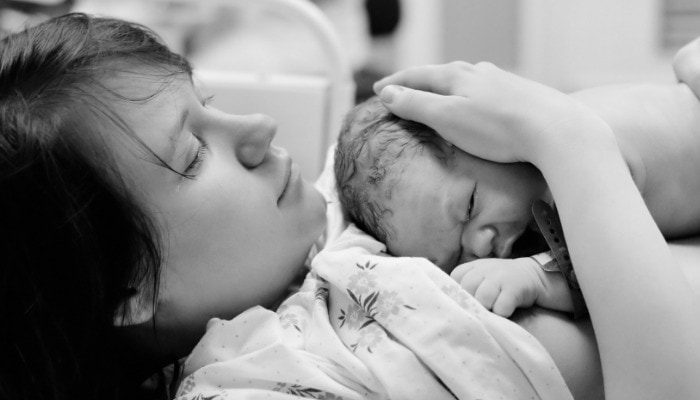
467, 276
505, 304
487, 293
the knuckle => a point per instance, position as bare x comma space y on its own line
485, 66
504, 309
455, 105
456, 71
460, 66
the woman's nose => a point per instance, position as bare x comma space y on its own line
254, 138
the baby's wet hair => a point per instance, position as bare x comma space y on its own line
371, 142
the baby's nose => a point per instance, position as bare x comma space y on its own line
483, 242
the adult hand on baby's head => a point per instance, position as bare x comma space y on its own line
480, 108
501, 285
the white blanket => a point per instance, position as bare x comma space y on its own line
368, 326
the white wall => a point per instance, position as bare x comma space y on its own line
573, 44
569, 44
418, 36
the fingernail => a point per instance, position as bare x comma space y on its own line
388, 93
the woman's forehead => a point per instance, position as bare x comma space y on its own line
149, 119
141, 85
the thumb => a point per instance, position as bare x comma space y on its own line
420, 106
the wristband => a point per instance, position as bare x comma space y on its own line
550, 226
546, 261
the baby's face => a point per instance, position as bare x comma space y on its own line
455, 213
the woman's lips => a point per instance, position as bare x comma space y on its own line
287, 173
292, 182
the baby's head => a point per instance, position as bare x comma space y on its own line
372, 148
403, 184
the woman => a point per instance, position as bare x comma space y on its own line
121, 191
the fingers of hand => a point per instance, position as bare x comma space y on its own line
434, 110
466, 104
474, 278
494, 283
505, 304
487, 292
496, 298
438, 79
458, 273
469, 275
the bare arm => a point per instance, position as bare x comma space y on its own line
657, 127
637, 296
572, 344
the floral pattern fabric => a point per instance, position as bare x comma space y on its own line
368, 326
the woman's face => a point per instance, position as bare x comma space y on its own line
238, 227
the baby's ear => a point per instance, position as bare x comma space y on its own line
135, 309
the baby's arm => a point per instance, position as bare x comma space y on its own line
502, 285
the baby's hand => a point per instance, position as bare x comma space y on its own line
502, 285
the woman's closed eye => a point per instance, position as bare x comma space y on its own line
192, 168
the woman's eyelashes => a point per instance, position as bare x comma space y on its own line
192, 168
190, 172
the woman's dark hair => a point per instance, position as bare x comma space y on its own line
74, 243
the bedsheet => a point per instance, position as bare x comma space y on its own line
368, 326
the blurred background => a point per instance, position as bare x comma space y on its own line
568, 44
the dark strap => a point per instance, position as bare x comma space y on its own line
550, 226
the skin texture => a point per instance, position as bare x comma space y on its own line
572, 343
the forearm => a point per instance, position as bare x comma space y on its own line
624, 268
553, 293
572, 343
